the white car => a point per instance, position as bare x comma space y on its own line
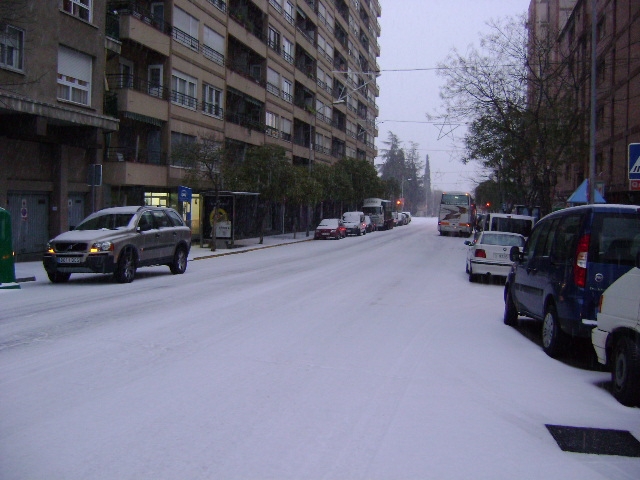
616, 338
488, 254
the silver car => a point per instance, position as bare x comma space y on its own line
118, 240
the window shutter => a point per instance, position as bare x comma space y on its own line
74, 64
213, 40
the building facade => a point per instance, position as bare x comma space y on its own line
617, 86
296, 73
52, 123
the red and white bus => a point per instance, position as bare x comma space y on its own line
457, 214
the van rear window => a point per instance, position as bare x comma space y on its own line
513, 225
615, 238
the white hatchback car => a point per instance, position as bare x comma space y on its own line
488, 254
616, 338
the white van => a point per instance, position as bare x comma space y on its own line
506, 222
354, 221
616, 338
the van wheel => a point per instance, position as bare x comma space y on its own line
625, 372
553, 338
126, 269
510, 310
58, 277
179, 264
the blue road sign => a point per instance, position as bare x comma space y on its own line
634, 161
184, 194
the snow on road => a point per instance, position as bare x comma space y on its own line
366, 358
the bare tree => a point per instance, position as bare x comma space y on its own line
519, 101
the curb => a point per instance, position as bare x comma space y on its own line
252, 249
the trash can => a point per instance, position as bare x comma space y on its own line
7, 267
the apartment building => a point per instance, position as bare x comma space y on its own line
296, 73
299, 74
52, 123
617, 86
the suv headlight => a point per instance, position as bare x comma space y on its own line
101, 247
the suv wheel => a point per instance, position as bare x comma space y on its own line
58, 277
510, 310
625, 372
126, 269
179, 264
553, 338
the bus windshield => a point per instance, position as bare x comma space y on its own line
455, 199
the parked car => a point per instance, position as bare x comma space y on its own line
354, 221
571, 257
118, 240
330, 228
399, 219
369, 225
488, 254
616, 338
407, 217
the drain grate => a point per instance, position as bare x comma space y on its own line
595, 440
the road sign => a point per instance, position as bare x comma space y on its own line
184, 194
634, 185
634, 161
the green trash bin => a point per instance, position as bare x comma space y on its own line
7, 266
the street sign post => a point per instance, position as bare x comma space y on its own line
634, 161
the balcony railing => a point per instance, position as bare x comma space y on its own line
186, 39
127, 7
247, 71
212, 55
212, 109
219, 4
247, 121
185, 100
120, 81
136, 155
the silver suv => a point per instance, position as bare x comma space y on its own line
118, 240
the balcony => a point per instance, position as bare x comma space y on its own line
139, 25
140, 97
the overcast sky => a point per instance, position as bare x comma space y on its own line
418, 34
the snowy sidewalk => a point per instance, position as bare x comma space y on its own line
30, 271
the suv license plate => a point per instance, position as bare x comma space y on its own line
69, 259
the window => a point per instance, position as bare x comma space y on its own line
12, 48
287, 50
274, 39
212, 101
74, 76
289, 12
273, 82
273, 124
184, 89
178, 139
157, 10
287, 89
285, 124
155, 75
78, 8
213, 46
185, 28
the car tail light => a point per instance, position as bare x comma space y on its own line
580, 268
479, 253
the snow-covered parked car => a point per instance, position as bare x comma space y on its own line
616, 338
118, 240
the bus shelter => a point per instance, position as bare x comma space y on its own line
228, 216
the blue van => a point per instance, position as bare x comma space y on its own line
571, 257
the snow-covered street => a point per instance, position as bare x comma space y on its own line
366, 358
